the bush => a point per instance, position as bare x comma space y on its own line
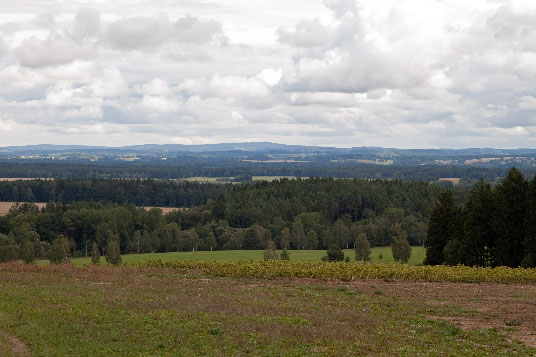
334, 254
270, 253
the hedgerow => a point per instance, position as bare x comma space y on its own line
345, 271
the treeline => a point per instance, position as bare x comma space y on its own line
299, 214
495, 227
137, 192
225, 167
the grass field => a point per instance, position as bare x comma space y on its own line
417, 256
137, 311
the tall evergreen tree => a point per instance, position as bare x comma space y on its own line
441, 228
509, 221
479, 237
529, 260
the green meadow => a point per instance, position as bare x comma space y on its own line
417, 256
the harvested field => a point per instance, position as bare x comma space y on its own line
25, 178
166, 210
5, 206
102, 311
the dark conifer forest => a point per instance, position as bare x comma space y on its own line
486, 226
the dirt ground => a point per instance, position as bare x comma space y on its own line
469, 306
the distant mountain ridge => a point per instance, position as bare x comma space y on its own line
259, 147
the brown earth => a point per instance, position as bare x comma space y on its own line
469, 306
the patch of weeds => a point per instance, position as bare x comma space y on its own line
378, 292
512, 322
215, 331
303, 288
452, 330
345, 290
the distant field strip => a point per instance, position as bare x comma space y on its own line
350, 271
5, 206
25, 178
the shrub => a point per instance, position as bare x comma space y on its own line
334, 254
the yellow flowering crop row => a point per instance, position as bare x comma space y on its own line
348, 271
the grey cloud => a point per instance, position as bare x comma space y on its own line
87, 24
55, 50
149, 32
190, 29
305, 34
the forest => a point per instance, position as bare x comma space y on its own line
185, 167
298, 214
495, 227
137, 192
486, 226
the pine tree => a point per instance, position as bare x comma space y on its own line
362, 248
529, 260
509, 221
441, 228
479, 237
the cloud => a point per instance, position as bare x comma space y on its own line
305, 34
150, 32
337, 72
55, 50
87, 24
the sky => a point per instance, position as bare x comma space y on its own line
391, 73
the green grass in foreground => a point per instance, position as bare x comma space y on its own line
417, 256
127, 311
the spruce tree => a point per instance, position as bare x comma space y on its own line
509, 219
479, 237
529, 260
441, 228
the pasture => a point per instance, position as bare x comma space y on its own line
150, 311
417, 256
